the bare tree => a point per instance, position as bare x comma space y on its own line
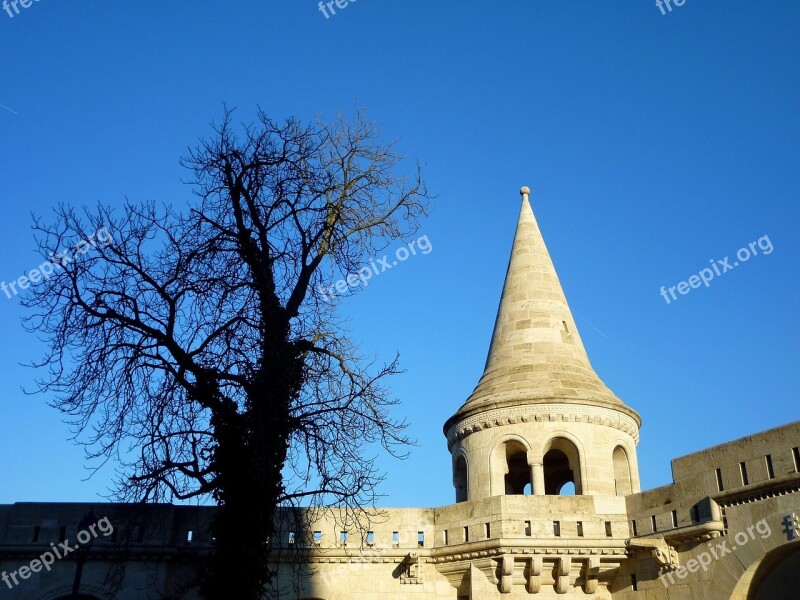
197, 348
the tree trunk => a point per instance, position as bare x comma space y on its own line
250, 455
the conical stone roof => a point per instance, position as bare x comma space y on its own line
536, 354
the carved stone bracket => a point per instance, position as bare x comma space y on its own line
410, 571
658, 548
535, 575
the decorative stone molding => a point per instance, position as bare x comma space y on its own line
568, 413
525, 551
738, 497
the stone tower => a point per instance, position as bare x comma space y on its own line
540, 417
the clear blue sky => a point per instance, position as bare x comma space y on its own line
652, 143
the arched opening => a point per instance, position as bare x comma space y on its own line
561, 466
622, 472
568, 489
460, 478
517, 480
778, 575
518, 476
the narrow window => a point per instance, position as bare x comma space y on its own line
466, 534
633, 527
36, 531
421, 539
743, 473
317, 538
291, 538
528, 528
770, 468
634, 583
608, 529
370, 538
796, 455
580, 528
487, 530
396, 539
565, 326
343, 538
557, 528
189, 536
446, 541
720, 487
674, 518
653, 523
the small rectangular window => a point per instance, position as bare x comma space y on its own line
343, 538
653, 523
189, 536
674, 518
466, 534
370, 538
580, 528
528, 528
770, 468
36, 533
446, 541
743, 473
421, 539
317, 538
396, 539
487, 530
634, 583
608, 529
557, 528
720, 487
633, 527
796, 456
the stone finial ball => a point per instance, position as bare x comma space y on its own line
525, 191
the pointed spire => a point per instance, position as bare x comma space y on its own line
536, 353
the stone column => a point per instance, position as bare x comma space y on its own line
537, 475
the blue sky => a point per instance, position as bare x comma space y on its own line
652, 143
